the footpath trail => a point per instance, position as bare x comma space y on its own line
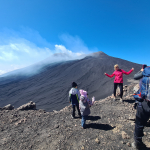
110, 126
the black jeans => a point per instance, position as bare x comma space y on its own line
121, 88
73, 112
142, 116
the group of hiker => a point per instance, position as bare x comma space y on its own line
80, 100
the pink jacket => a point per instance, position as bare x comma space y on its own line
119, 75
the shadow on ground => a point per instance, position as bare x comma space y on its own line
147, 148
100, 126
129, 101
93, 118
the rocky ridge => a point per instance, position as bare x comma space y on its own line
110, 126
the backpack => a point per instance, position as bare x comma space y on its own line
144, 91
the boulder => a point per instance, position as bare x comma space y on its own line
8, 107
28, 106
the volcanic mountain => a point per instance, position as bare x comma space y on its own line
49, 88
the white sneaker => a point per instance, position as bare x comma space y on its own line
114, 99
72, 117
121, 100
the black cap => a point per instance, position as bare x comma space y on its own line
74, 84
144, 66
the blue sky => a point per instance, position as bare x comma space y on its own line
32, 30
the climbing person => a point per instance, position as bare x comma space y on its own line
74, 96
118, 81
143, 109
84, 106
138, 76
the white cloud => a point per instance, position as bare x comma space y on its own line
27, 47
2, 72
64, 50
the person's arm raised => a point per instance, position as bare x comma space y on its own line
110, 76
127, 73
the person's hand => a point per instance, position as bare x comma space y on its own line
104, 73
142, 70
132, 68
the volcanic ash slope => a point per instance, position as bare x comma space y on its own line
49, 88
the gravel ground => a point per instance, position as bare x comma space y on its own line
110, 126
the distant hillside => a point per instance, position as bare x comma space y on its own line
49, 88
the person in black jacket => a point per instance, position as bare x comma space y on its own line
74, 97
142, 114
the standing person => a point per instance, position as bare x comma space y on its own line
84, 106
118, 73
138, 76
143, 109
74, 96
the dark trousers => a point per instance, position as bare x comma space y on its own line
73, 112
121, 88
142, 116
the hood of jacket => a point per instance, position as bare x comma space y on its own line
83, 93
73, 91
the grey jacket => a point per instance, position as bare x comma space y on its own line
84, 107
138, 75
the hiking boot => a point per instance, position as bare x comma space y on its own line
139, 146
72, 116
121, 100
135, 105
114, 99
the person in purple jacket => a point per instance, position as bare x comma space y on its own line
118, 81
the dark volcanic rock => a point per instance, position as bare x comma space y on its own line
49, 88
8, 107
27, 106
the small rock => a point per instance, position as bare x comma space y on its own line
97, 141
129, 144
132, 124
132, 117
123, 142
8, 107
82, 148
145, 133
125, 135
55, 111
56, 126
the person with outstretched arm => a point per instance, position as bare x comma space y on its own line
118, 81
